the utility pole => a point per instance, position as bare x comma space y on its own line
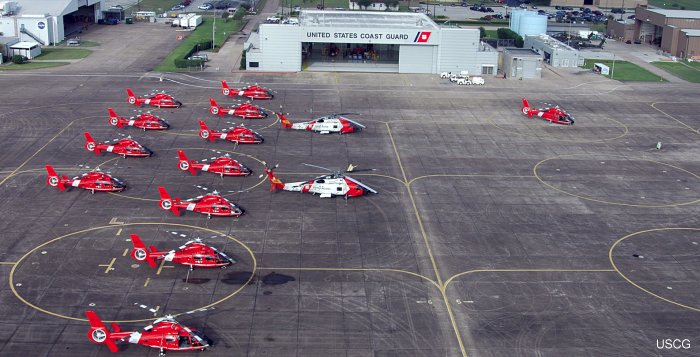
213, 32
612, 73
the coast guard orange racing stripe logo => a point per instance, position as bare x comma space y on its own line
422, 37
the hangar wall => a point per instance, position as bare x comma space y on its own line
281, 48
418, 59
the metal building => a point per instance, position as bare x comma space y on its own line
360, 41
555, 53
673, 31
48, 21
522, 63
525, 22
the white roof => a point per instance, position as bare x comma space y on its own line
691, 32
365, 19
25, 45
679, 14
42, 7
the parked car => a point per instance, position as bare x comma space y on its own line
297, 8
205, 6
617, 10
201, 57
273, 19
177, 7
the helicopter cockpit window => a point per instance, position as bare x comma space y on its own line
321, 181
339, 189
184, 341
319, 121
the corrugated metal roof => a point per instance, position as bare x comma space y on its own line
692, 32
365, 19
677, 14
42, 7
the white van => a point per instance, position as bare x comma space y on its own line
231, 10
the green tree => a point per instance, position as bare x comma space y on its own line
390, 3
364, 3
18, 59
482, 32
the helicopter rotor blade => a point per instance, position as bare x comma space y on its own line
361, 184
319, 167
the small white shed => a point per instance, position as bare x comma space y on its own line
26, 48
601, 68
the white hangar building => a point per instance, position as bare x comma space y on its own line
47, 21
361, 41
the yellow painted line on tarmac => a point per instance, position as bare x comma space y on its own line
448, 281
126, 251
114, 221
424, 234
162, 265
13, 287
359, 269
468, 175
653, 105
8, 263
108, 267
616, 269
119, 232
542, 181
148, 280
37, 152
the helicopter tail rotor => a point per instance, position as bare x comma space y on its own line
275, 181
54, 180
99, 333
140, 253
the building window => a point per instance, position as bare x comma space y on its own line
253, 64
565, 62
486, 69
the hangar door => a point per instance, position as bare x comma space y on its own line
530, 69
417, 59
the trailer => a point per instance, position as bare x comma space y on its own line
194, 21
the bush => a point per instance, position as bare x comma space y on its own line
505, 34
241, 12
185, 63
19, 59
482, 32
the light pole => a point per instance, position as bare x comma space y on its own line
213, 32
612, 72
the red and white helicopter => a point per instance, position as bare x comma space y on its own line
334, 184
145, 121
156, 99
252, 92
211, 204
164, 333
93, 181
239, 134
193, 254
123, 147
334, 123
553, 115
243, 110
222, 165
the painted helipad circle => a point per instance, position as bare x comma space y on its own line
620, 131
607, 178
39, 248
650, 257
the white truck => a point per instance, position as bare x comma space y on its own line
470, 80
